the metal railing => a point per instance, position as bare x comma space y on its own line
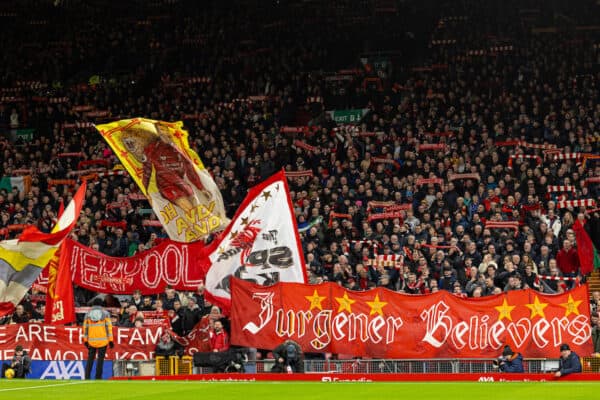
362, 366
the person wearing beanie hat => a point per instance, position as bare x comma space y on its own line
569, 361
20, 363
509, 361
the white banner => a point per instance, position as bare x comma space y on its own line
260, 245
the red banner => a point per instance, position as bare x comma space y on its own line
52, 342
62, 342
380, 323
181, 265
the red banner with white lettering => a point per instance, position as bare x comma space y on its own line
54, 342
380, 323
181, 265
61, 342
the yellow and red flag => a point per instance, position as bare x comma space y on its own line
181, 191
22, 259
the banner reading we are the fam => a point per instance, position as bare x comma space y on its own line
383, 324
51, 342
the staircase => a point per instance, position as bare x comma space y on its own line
594, 281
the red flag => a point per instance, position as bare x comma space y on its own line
585, 248
60, 308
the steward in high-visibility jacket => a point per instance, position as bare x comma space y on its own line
97, 336
97, 328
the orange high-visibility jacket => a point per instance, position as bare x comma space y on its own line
97, 328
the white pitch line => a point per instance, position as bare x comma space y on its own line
41, 386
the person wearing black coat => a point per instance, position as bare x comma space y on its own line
288, 357
569, 361
20, 363
510, 361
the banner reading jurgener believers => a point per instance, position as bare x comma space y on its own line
386, 324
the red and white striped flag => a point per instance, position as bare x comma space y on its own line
568, 156
576, 203
303, 145
561, 188
522, 157
299, 174
514, 225
427, 181
595, 179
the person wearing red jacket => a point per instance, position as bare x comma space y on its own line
219, 339
568, 261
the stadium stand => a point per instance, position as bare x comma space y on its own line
483, 116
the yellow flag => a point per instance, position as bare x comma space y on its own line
182, 193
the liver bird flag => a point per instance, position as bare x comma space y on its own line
260, 245
22, 259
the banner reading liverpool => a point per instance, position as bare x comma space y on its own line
260, 245
181, 191
180, 265
380, 323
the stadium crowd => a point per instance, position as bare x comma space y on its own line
482, 107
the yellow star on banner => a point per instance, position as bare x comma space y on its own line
233, 235
221, 250
376, 306
504, 311
572, 306
537, 308
266, 194
315, 300
345, 303
244, 221
253, 207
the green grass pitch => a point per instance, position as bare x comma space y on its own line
184, 390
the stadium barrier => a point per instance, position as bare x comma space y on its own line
176, 366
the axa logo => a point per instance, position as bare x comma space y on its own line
64, 370
486, 379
